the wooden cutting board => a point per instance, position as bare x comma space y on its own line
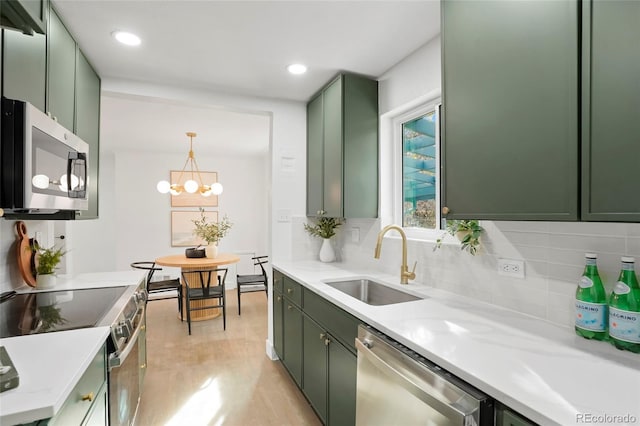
26, 254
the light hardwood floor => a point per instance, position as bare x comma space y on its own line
216, 377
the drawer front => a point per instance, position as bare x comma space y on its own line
339, 323
278, 283
292, 291
86, 391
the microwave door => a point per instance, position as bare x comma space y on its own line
58, 173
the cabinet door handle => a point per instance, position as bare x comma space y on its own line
88, 397
143, 366
445, 210
323, 335
290, 307
289, 290
279, 298
326, 342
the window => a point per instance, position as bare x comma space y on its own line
419, 172
409, 167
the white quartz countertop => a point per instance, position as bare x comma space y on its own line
543, 371
51, 364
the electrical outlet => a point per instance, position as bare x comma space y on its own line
284, 215
511, 268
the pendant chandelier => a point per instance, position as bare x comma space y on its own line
190, 169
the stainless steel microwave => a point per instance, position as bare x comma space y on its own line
43, 165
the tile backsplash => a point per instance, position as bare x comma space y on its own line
553, 255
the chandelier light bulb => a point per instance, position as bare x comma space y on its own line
40, 181
175, 190
216, 188
163, 186
191, 186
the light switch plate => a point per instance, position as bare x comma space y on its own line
355, 235
284, 215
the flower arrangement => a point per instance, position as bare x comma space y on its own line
468, 231
324, 228
211, 232
48, 259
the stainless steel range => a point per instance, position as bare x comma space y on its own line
123, 309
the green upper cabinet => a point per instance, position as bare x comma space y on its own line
611, 111
87, 125
28, 16
510, 110
61, 72
24, 67
342, 149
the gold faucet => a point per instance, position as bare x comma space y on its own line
405, 275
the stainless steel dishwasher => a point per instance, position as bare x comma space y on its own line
396, 386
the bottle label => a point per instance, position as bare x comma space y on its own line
627, 266
585, 282
591, 316
624, 325
621, 288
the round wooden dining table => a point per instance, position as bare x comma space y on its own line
187, 264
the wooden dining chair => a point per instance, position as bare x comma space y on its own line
199, 286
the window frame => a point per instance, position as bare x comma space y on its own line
421, 106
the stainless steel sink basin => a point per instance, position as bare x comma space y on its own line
371, 292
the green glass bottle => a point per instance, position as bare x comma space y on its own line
591, 302
624, 309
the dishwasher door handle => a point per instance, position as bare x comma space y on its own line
416, 386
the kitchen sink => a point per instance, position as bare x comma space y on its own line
371, 292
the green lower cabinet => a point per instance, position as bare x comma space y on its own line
315, 366
343, 367
278, 323
292, 340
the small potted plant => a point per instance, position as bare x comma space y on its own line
211, 232
47, 261
467, 231
325, 228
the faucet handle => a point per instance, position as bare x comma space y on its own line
412, 275
413, 271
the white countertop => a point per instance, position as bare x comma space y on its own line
539, 369
51, 364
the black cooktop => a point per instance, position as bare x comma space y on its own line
45, 312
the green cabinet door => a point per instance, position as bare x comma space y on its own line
342, 385
24, 67
360, 147
611, 111
315, 372
87, 125
292, 340
510, 109
61, 72
315, 162
278, 324
332, 113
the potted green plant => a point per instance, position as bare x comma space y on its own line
211, 232
325, 228
467, 231
47, 261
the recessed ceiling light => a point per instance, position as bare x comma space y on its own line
297, 69
124, 37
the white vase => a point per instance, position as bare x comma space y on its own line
326, 251
45, 281
211, 251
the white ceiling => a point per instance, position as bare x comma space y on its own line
241, 47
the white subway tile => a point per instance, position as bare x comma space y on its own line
597, 244
588, 228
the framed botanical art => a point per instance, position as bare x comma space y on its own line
186, 199
182, 227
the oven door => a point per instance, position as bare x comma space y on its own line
125, 376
